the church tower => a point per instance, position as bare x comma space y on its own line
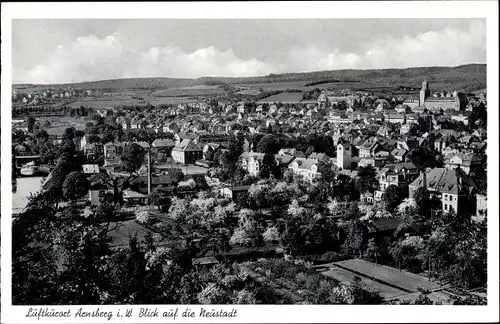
344, 156
424, 92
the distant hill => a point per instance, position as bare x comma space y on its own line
468, 77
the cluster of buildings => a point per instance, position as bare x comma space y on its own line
39, 97
382, 136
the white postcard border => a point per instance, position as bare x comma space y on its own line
267, 313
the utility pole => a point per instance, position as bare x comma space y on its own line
149, 173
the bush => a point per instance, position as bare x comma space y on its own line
142, 216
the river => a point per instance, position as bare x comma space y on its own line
25, 187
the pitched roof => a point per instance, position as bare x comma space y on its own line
187, 145
444, 180
163, 143
304, 163
318, 156
382, 225
283, 158
399, 152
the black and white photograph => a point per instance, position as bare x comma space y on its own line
248, 162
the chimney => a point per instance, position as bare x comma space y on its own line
424, 178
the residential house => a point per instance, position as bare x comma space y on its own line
209, 151
369, 148
449, 186
399, 154
481, 205
97, 189
179, 137
291, 151
163, 148
466, 161
319, 156
112, 154
308, 168
90, 169
395, 118
187, 152
399, 174
252, 162
233, 192
91, 150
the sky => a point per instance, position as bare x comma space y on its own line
48, 51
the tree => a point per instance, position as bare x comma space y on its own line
132, 157
422, 198
176, 174
269, 144
271, 234
269, 167
372, 251
367, 179
249, 231
41, 135
160, 199
69, 133
406, 253
391, 197
355, 239
31, 124
75, 186
142, 216
425, 157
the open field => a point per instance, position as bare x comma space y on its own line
401, 279
108, 103
469, 77
343, 275
197, 90
390, 283
284, 97
171, 100
272, 86
249, 92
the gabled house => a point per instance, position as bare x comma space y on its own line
292, 152
399, 174
308, 168
98, 188
455, 190
209, 151
399, 154
319, 156
466, 162
163, 148
187, 152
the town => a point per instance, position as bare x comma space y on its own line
323, 195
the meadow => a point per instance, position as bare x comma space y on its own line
171, 100
196, 90
284, 97
108, 102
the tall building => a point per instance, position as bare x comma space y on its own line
344, 156
456, 101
